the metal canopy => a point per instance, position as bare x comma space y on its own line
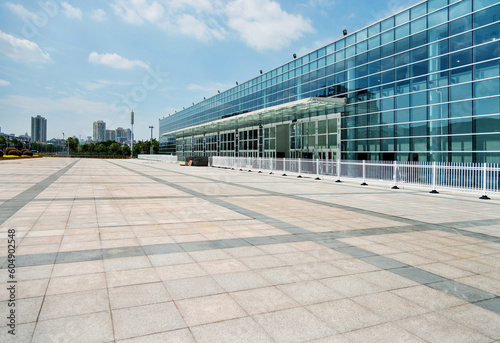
275, 114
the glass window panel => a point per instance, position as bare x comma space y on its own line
402, 130
419, 39
402, 59
461, 126
419, 114
418, 25
419, 69
387, 37
437, 64
402, 73
340, 55
487, 16
487, 106
487, 124
419, 99
387, 117
461, 25
438, 111
438, 33
349, 40
361, 47
460, 8
388, 76
460, 75
402, 101
478, 4
487, 34
374, 80
419, 84
403, 44
488, 143
350, 51
402, 31
387, 104
418, 129
436, 96
402, 17
387, 50
437, 18
374, 42
387, 63
460, 42
388, 90
374, 67
418, 11
374, 29
460, 109
486, 69
387, 24
461, 58
486, 88
461, 92
487, 51
361, 35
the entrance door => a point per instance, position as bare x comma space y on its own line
283, 141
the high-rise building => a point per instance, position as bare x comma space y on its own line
420, 85
120, 135
38, 129
128, 135
99, 131
110, 135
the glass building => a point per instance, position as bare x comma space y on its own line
421, 85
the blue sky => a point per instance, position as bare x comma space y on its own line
76, 62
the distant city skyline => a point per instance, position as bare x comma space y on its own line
75, 63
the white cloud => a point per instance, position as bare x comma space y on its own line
22, 50
138, 11
191, 26
20, 11
4, 83
103, 83
263, 25
115, 61
71, 12
99, 15
209, 90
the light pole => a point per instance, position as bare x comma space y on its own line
132, 134
64, 148
151, 145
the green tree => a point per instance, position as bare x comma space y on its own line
126, 150
72, 143
101, 148
115, 149
3, 142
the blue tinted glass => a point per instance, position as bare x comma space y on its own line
402, 17
403, 45
403, 87
437, 18
461, 126
373, 42
461, 58
478, 4
419, 54
419, 25
402, 116
487, 106
460, 42
437, 96
373, 55
361, 47
487, 34
419, 11
349, 40
460, 75
340, 44
387, 37
418, 39
460, 8
419, 69
461, 92
350, 51
387, 50
487, 51
374, 29
487, 16
436, 4
486, 70
460, 109
402, 31
419, 99
438, 33
361, 35
374, 67
340, 55
486, 88
460, 25
387, 24
387, 63
388, 76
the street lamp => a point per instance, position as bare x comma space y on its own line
151, 145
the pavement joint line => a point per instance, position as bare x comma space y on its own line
11, 206
458, 289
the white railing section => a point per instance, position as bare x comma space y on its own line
158, 158
480, 178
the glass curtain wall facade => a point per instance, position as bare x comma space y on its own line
421, 85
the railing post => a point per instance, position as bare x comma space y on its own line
434, 191
271, 160
364, 174
260, 165
395, 176
300, 169
338, 170
284, 172
317, 170
485, 182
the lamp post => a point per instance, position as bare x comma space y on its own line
132, 134
151, 145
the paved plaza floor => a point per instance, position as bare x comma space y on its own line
138, 251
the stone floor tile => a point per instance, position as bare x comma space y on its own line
137, 295
77, 268
351, 285
181, 271
293, 325
223, 266
170, 259
239, 330
238, 281
381, 334
76, 329
193, 287
131, 277
475, 318
262, 300
345, 315
389, 306
176, 336
27, 310
209, 309
145, 320
125, 263
310, 292
387, 280
428, 297
72, 304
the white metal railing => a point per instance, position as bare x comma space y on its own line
158, 158
480, 178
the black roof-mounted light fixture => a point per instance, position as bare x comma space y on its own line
193, 103
344, 32
218, 91
204, 98
294, 55
261, 71
236, 83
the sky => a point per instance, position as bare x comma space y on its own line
76, 62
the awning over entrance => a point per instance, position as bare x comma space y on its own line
279, 113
